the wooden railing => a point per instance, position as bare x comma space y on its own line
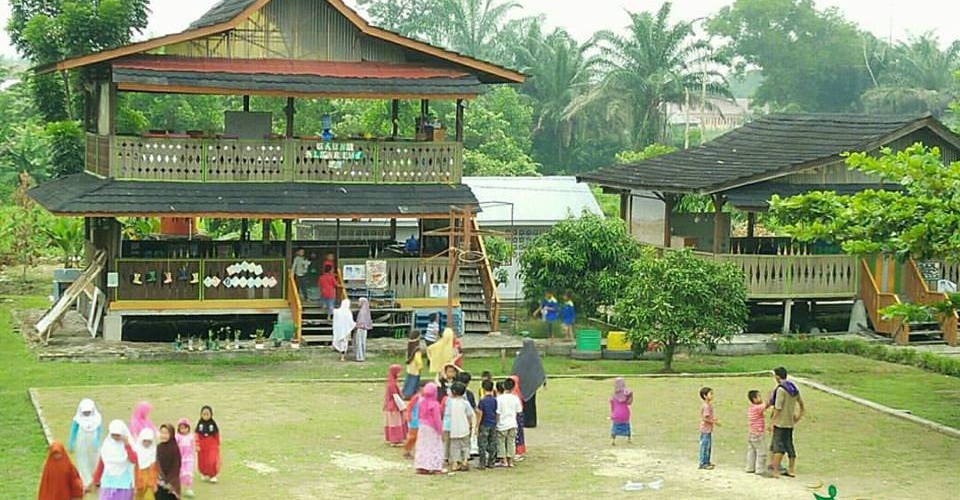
490, 294
296, 307
411, 277
777, 245
782, 276
874, 300
177, 158
916, 289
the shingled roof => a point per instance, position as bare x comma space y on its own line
221, 12
770, 147
85, 194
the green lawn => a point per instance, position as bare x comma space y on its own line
925, 394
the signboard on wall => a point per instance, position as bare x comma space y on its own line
354, 272
439, 290
336, 153
376, 274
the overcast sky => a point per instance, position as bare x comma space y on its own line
896, 18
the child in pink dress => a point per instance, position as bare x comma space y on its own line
428, 457
620, 411
185, 441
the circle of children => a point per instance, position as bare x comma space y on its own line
139, 461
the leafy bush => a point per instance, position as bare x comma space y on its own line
67, 148
899, 355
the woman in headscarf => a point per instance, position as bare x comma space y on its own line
60, 479
394, 427
140, 419
343, 324
411, 382
168, 460
428, 457
529, 367
364, 325
116, 470
85, 438
441, 352
145, 483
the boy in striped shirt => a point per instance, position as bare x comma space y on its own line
756, 451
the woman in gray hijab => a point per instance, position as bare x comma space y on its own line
529, 368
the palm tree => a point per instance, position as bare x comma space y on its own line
920, 78
472, 26
558, 71
656, 63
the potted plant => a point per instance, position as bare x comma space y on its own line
178, 344
236, 339
190, 342
224, 338
258, 339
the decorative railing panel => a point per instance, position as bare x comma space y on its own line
411, 277
199, 279
781, 276
215, 159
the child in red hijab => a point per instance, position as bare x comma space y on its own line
394, 428
60, 479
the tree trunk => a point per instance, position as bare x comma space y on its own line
668, 351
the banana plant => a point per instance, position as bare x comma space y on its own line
67, 234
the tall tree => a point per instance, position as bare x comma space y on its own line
473, 26
918, 78
811, 59
656, 63
46, 31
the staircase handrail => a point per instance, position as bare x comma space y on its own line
296, 306
918, 292
490, 293
874, 300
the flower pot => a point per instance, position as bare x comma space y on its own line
258, 346
295, 345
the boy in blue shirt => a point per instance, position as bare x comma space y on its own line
487, 426
548, 312
568, 314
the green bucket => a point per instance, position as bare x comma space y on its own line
588, 340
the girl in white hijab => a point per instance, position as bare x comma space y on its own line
115, 473
147, 471
85, 435
343, 324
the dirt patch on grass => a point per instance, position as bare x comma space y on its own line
358, 462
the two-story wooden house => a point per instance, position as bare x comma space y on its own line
296, 49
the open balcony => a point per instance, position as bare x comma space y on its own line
219, 158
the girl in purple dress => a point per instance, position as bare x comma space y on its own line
620, 411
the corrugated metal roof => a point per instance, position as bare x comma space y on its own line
365, 69
87, 194
301, 84
761, 149
535, 201
221, 12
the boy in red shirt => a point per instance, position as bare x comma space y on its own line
756, 451
328, 289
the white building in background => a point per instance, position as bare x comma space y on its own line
525, 207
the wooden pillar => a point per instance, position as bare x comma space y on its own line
751, 224
337, 248
246, 104
266, 229
395, 118
288, 240
290, 112
244, 230
718, 202
459, 124
787, 311
107, 109
624, 210
393, 229
668, 203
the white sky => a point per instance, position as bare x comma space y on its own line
582, 18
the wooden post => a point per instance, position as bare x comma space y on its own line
290, 112
246, 104
288, 239
393, 229
244, 230
395, 117
668, 203
751, 224
459, 125
625, 210
717, 226
787, 310
266, 229
337, 247
451, 264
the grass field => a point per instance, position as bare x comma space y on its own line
296, 424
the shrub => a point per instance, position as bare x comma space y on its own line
930, 361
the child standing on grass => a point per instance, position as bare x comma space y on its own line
147, 471
85, 438
116, 468
508, 409
208, 445
168, 463
188, 460
620, 411
60, 479
412, 415
433, 329
428, 458
364, 324
394, 428
487, 426
140, 419
707, 422
756, 452
461, 424
411, 381
568, 314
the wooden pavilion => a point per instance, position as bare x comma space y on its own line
297, 49
784, 154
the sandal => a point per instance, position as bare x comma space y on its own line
789, 474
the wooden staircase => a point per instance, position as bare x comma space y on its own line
316, 328
476, 315
914, 290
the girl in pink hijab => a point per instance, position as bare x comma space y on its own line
428, 458
620, 411
140, 419
394, 428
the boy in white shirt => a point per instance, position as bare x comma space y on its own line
461, 424
508, 406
